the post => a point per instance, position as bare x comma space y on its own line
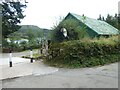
41, 48
41, 51
31, 56
10, 58
49, 42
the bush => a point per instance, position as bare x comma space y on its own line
79, 53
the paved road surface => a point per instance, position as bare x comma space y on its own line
26, 68
38, 75
97, 77
4, 57
18, 54
22, 67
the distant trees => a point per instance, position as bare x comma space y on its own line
12, 13
34, 36
100, 18
112, 20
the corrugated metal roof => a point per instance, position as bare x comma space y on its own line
98, 26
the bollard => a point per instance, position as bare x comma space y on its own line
31, 56
31, 60
10, 58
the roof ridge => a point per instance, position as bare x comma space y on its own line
98, 26
82, 16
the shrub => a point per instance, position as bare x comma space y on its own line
79, 53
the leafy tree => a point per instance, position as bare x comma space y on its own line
12, 15
39, 36
74, 31
30, 35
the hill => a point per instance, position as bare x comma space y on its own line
25, 28
35, 31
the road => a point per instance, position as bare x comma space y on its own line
4, 57
38, 75
17, 54
96, 77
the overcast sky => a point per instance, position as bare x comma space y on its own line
45, 13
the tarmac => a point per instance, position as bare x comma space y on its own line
24, 74
95, 77
24, 68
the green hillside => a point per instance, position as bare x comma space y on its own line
25, 28
35, 31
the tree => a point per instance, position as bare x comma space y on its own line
109, 19
112, 20
103, 19
100, 18
115, 20
30, 35
12, 15
119, 21
74, 31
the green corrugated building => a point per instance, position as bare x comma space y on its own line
94, 28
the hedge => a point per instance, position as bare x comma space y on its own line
78, 53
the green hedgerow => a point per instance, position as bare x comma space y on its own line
80, 53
